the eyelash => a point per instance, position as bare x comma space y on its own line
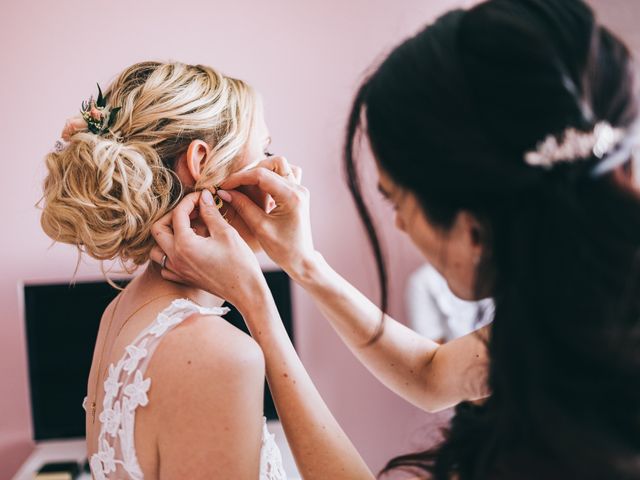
268, 154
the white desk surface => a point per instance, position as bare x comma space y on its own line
67, 450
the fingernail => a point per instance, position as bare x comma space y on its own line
224, 195
207, 198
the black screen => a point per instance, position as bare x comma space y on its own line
62, 323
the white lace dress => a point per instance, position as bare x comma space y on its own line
126, 389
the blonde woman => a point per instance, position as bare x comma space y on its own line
174, 390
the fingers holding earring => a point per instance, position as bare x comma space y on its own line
217, 201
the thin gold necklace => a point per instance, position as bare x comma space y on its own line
113, 314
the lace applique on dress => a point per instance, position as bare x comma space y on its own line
271, 467
126, 389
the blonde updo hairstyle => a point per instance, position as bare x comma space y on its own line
103, 192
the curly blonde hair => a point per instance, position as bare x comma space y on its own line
103, 193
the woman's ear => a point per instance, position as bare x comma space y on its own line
196, 155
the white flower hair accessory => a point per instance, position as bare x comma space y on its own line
575, 145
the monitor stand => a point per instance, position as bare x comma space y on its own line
53, 451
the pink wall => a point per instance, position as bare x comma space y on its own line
305, 58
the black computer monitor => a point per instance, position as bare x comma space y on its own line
62, 324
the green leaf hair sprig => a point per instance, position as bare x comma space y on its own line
98, 115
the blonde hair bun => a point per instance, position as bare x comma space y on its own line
103, 196
103, 193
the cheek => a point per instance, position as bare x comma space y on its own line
400, 225
425, 238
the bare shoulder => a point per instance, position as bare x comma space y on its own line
203, 353
207, 345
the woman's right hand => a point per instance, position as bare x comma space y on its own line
284, 232
219, 262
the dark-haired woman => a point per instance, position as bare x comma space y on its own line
503, 137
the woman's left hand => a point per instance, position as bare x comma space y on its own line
221, 263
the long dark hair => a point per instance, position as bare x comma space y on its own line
450, 114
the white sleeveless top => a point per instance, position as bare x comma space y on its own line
126, 389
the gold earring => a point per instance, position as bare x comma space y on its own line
216, 199
219, 203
